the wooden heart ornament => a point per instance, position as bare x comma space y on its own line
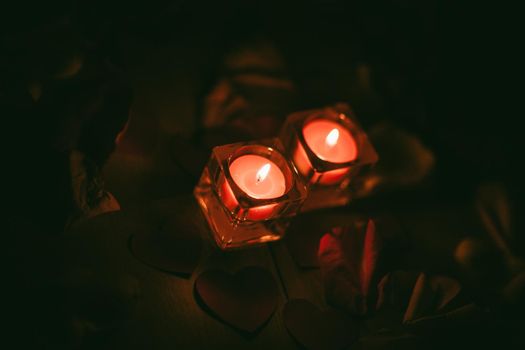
316, 329
245, 300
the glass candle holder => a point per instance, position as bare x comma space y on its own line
330, 150
248, 192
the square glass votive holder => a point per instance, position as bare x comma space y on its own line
330, 151
248, 191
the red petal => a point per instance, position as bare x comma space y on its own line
340, 263
371, 249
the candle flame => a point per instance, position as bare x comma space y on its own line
263, 172
332, 137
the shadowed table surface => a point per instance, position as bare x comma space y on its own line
166, 312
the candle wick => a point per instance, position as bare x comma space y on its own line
262, 173
332, 137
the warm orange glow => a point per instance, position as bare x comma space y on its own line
333, 136
263, 172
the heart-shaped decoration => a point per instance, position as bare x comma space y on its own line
316, 329
174, 248
245, 300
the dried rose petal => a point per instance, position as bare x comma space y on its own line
348, 259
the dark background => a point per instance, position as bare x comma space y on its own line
444, 70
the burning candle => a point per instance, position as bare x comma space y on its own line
248, 192
330, 150
259, 178
330, 142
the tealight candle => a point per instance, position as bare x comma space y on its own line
259, 178
247, 193
330, 142
329, 149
